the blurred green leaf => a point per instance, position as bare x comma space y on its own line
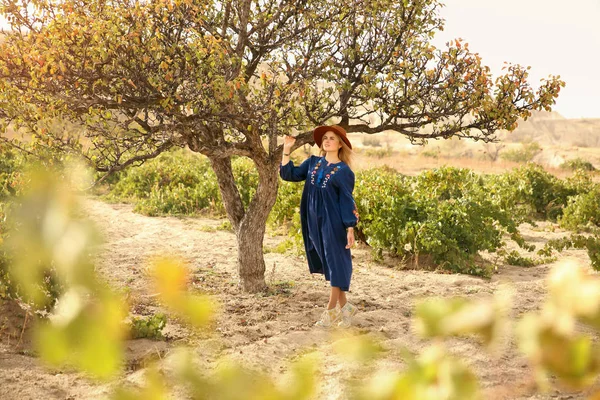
432, 375
170, 278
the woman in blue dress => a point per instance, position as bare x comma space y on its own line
328, 215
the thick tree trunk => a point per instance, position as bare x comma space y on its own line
229, 191
251, 262
251, 233
249, 225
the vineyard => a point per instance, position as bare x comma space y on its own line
503, 234
448, 215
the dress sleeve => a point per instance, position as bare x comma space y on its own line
294, 174
345, 184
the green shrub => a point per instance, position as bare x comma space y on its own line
447, 183
16, 171
148, 327
181, 183
173, 183
372, 141
246, 178
523, 155
590, 243
580, 182
11, 182
443, 213
225, 226
514, 258
448, 214
385, 205
12, 165
379, 152
454, 232
528, 191
582, 211
15, 176
432, 153
578, 164
287, 204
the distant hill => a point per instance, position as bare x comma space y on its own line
551, 128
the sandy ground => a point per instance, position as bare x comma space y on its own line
266, 331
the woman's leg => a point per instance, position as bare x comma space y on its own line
334, 296
347, 311
331, 316
342, 298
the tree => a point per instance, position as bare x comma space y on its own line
228, 78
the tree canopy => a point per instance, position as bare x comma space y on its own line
145, 76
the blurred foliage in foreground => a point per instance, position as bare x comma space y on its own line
48, 239
85, 328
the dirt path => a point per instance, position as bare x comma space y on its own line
266, 331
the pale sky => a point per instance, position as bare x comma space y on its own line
552, 36
555, 37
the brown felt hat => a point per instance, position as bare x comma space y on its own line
321, 130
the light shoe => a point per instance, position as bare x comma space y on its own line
346, 314
329, 318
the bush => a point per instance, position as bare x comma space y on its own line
15, 177
582, 211
580, 182
529, 191
447, 214
287, 204
590, 243
379, 152
372, 141
178, 200
385, 206
577, 164
148, 327
447, 183
455, 231
180, 183
12, 165
17, 170
11, 183
173, 183
442, 213
462, 219
523, 155
432, 153
514, 258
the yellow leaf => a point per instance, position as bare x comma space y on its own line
170, 276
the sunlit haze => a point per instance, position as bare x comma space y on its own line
552, 36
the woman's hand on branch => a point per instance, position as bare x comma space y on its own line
288, 142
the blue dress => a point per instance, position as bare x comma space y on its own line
327, 208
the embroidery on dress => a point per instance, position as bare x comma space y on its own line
317, 174
355, 212
314, 171
329, 175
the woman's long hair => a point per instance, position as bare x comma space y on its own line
345, 153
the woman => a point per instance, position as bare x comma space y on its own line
328, 215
